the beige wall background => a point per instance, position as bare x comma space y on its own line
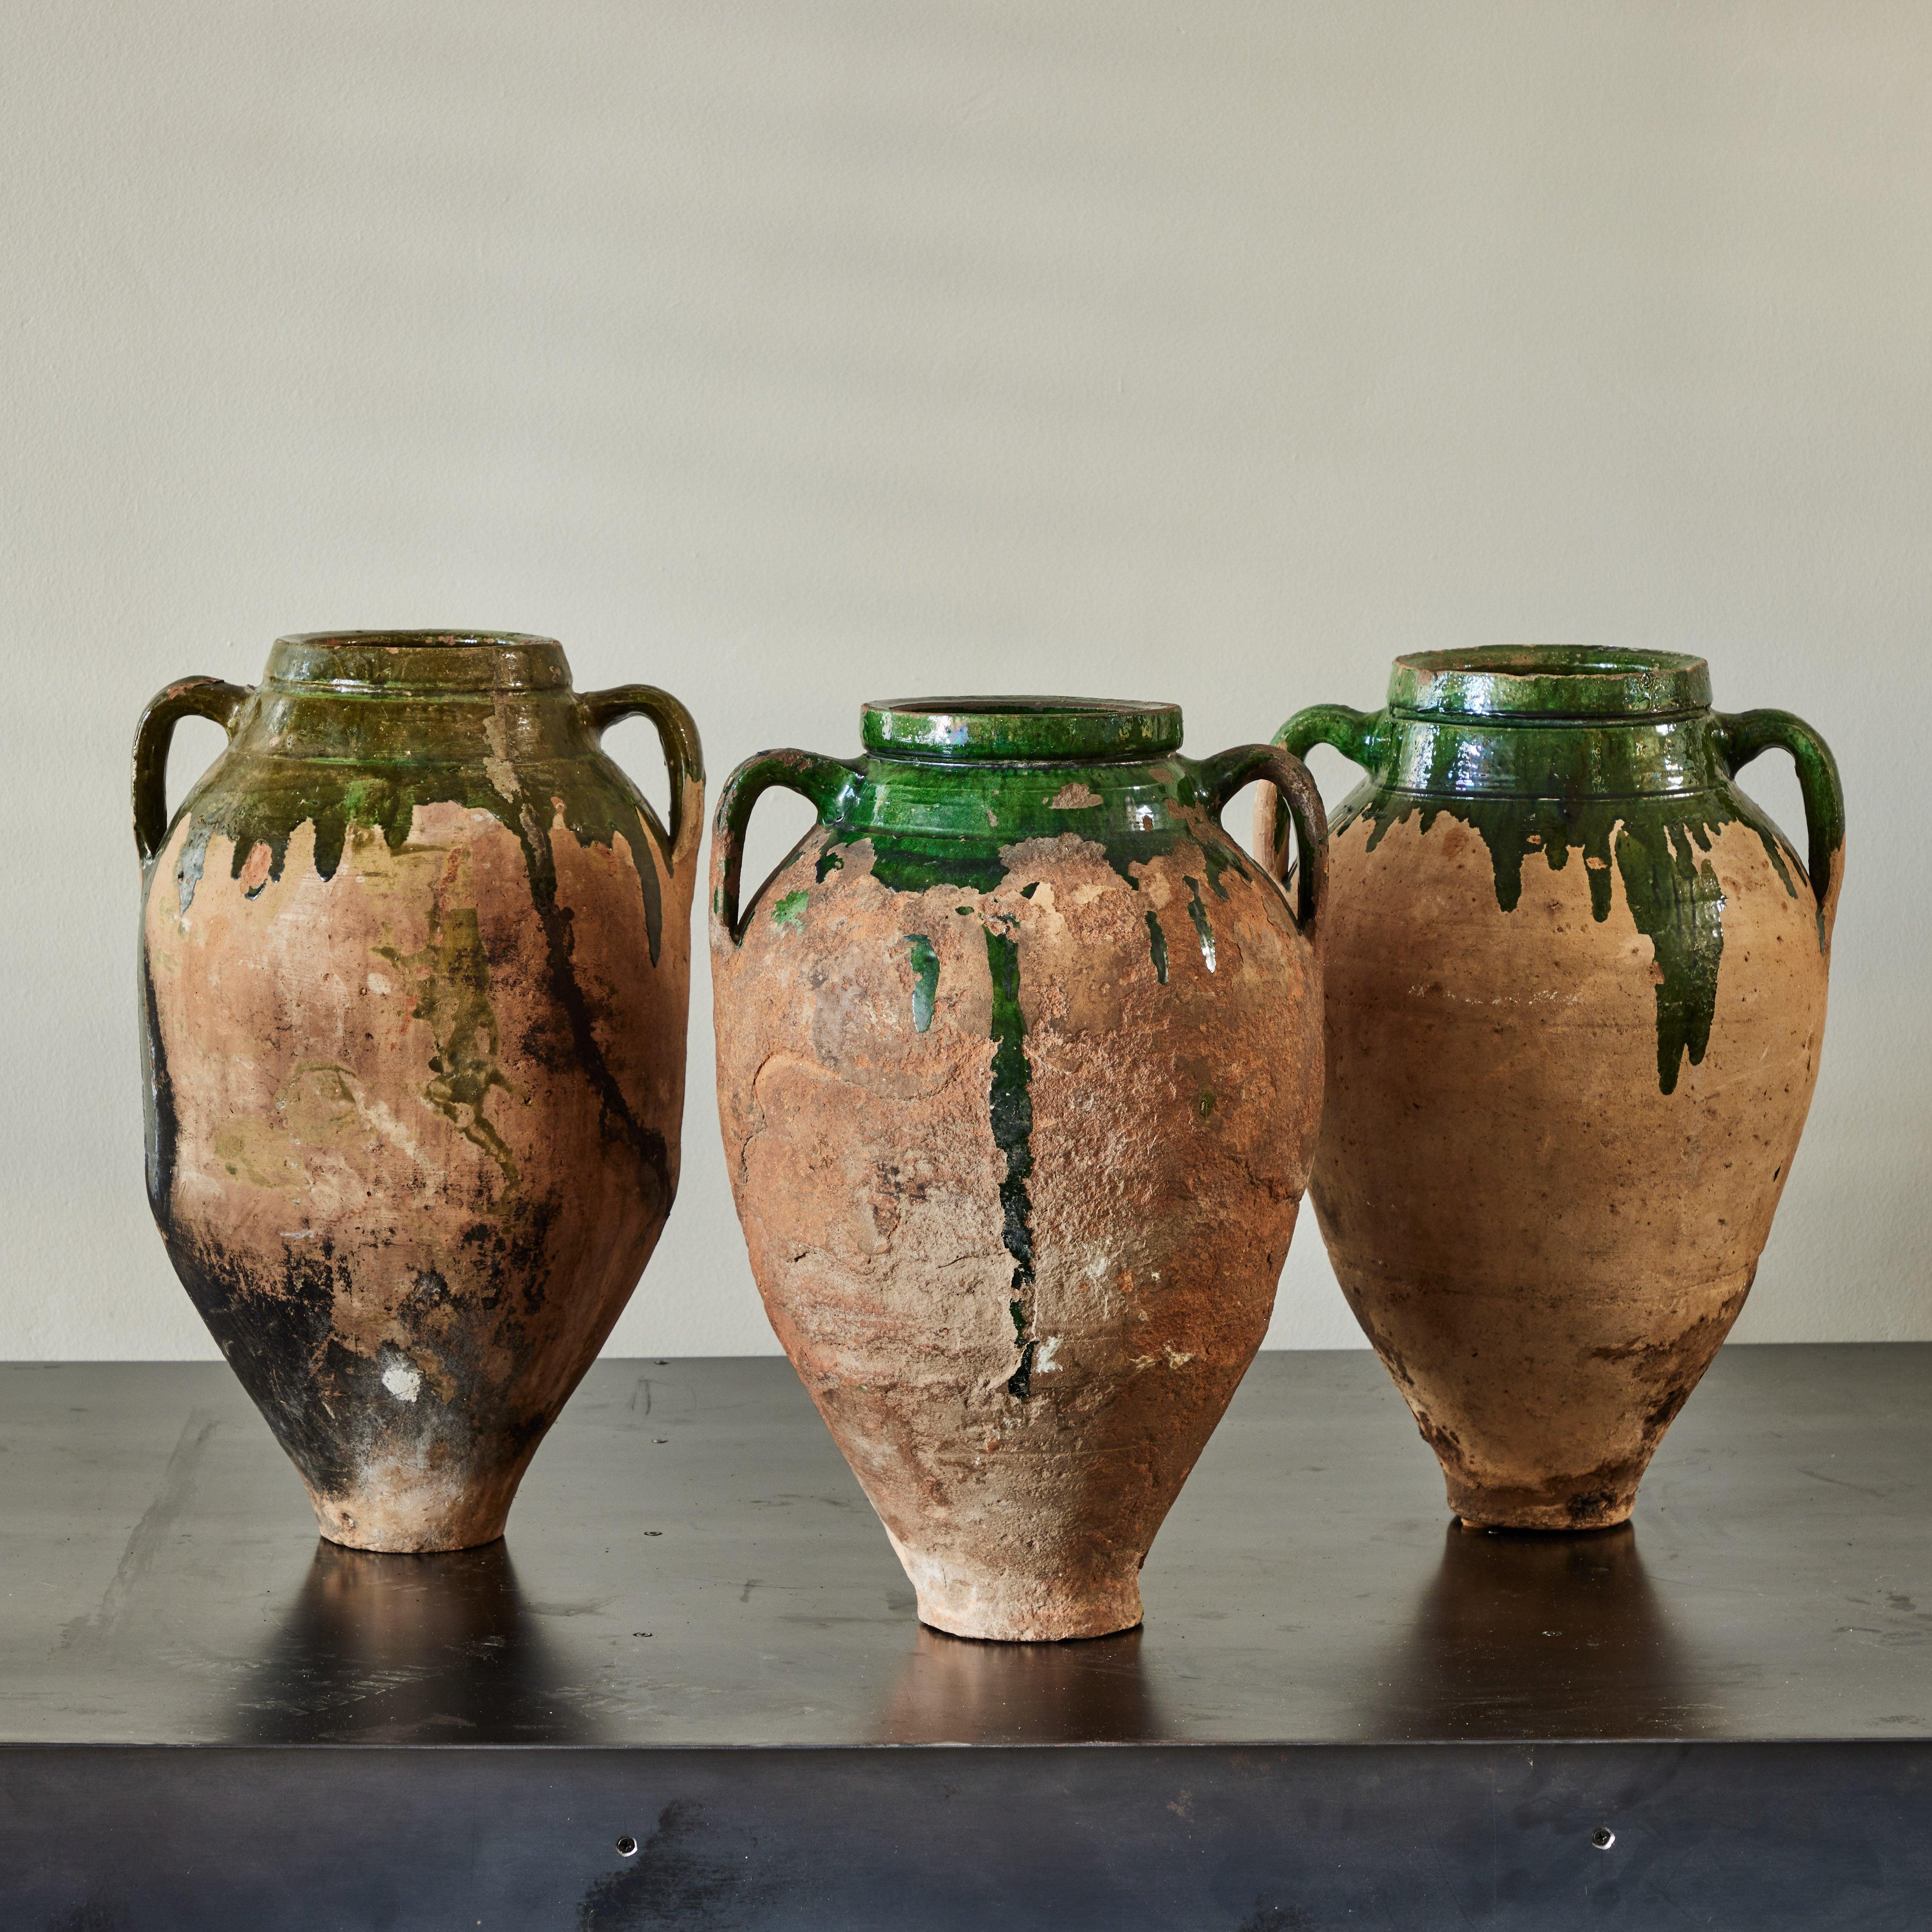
790, 353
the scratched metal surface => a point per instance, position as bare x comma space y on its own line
690, 1563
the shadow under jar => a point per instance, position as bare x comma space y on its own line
415, 968
1576, 993
1019, 1071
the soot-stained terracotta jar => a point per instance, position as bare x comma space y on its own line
1019, 1068
1576, 993
415, 966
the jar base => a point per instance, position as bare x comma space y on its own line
412, 1526
1023, 1607
1578, 1514
1060, 1621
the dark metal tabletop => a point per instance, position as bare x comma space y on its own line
691, 1562
694, 1639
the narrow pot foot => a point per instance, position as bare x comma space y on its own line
412, 1525
1514, 1510
1026, 1608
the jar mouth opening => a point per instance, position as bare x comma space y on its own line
1548, 681
417, 663
1020, 728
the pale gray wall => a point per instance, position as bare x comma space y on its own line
790, 353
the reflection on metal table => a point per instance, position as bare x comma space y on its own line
1343, 1709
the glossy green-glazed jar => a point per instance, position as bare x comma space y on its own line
1019, 1065
1576, 992
415, 976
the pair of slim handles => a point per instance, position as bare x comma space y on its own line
215, 699
831, 785
1738, 737
828, 784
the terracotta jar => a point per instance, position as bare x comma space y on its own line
415, 966
1576, 993
1019, 1071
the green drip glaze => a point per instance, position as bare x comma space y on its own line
1123, 853
910, 863
902, 864
1010, 1103
1678, 904
1218, 859
925, 979
1198, 913
1651, 843
789, 913
1615, 754
1157, 946
283, 794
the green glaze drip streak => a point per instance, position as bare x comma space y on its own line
1218, 859
371, 804
913, 862
911, 865
1011, 1104
1653, 844
1157, 946
1679, 907
925, 979
1198, 913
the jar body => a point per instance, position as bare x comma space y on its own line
1018, 1122
415, 972
1573, 1026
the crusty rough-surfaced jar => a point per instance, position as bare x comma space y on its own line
416, 964
1019, 1070
1576, 993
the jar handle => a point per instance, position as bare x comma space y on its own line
829, 785
1359, 736
211, 698
1289, 788
683, 755
1740, 737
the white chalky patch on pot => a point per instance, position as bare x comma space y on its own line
404, 1381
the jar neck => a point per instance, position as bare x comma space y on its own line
321, 724
1639, 756
1001, 803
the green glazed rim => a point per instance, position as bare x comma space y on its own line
1044, 729
401, 662
1553, 681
